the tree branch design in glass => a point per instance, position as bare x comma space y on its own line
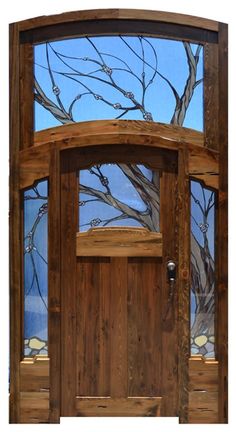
118, 77
119, 195
202, 270
36, 270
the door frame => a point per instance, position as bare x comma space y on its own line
35, 156
155, 158
183, 293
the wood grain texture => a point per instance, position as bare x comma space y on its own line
54, 295
144, 326
34, 390
134, 14
203, 165
15, 225
203, 390
116, 132
69, 212
169, 228
119, 407
93, 323
211, 96
34, 164
116, 241
184, 288
119, 355
26, 95
222, 224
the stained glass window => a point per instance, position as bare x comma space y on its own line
119, 195
202, 270
35, 270
118, 77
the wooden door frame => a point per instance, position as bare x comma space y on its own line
37, 155
155, 158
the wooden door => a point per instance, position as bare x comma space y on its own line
119, 332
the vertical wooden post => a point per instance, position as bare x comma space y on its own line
26, 94
211, 95
223, 225
15, 232
54, 295
184, 283
69, 221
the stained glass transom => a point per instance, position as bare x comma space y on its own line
119, 195
118, 77
203, 208
36, 269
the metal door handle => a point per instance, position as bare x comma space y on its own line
171, 276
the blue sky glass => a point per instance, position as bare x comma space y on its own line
111, 180
35, 269
107, 77
202, 270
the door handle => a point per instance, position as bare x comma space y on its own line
171, 276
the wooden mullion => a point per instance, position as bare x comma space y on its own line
69, 219
223, 225
54, 295
211, 96
26, 95
184, 283
15, 225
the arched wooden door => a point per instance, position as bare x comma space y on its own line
119, 311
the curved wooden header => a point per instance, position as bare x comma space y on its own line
125, 14
35, 161
117, 132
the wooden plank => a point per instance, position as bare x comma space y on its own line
69, 215
103, 14
34, 375
211, 96
222, 227
34, 400
116, 241
119, 407
204, 166
184, 278
34, 415
118, 313
203, 375
93, 327
15, 251
84, 133
26, 94
169, 224
117, 27
144, 326
34, 164
54, 296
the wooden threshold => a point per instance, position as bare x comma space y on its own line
119, 241
118, 407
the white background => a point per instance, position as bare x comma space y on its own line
13, 10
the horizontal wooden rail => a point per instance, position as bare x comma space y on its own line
119, 241
95, 132
118, 407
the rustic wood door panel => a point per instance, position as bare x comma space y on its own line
117, 328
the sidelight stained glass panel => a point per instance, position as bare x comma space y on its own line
118, 77
203, 207
35, 269
119, 195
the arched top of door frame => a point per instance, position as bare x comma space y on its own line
120, 14
35, 161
